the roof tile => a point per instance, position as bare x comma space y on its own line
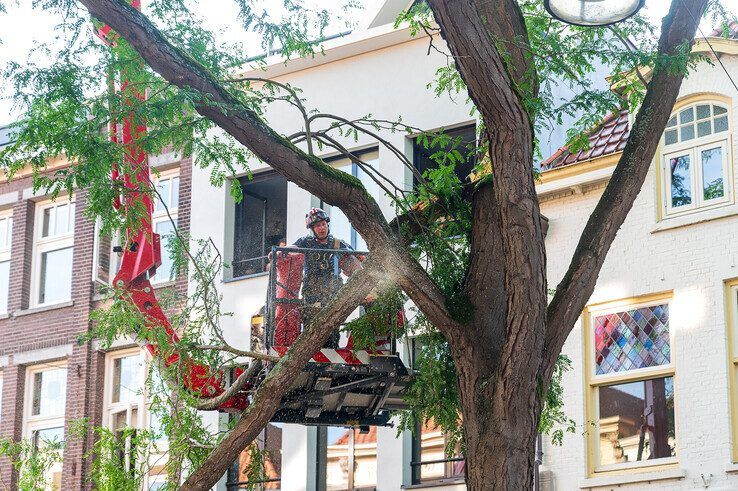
604, 139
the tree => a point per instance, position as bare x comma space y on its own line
484, 299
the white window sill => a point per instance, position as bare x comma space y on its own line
633, 477
436, 484
43, 308
731, 468
695, 217
4, 316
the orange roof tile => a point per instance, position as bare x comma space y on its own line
606, 138
732, 31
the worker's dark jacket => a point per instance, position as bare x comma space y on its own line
320, 281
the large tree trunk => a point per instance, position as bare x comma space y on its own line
500, 421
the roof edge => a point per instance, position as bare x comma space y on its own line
353, 44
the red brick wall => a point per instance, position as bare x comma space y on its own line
59, 327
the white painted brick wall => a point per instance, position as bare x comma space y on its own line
693, 261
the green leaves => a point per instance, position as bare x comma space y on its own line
554, 422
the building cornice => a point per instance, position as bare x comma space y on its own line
354, 44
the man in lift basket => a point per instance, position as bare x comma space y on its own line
321, 279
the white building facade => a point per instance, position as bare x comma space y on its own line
654, 356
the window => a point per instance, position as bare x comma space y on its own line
53, 251
269, 443
6, 232
731, 291
630, 376
430, 462
106, 262
340, 226
46, 396
463, 139
260, 222
696, 156
126, 407
167, 200
347, 458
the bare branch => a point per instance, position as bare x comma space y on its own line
257, 355
297, 103
248, 375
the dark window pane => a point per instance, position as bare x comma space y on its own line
461, 139
260, 222
636, 421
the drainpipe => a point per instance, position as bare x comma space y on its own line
537, 464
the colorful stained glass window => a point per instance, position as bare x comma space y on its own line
632, 339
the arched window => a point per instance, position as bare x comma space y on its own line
696, 156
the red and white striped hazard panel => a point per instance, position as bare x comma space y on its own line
340, 355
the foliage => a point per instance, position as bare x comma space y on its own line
554, 421
119, 460
379, 319
32, 460
70, 104
433, 396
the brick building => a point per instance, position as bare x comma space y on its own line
51, 259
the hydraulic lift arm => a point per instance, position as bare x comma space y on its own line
141, 252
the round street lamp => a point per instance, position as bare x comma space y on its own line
592, 13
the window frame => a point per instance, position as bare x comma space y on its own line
140, 404
6, 249
351, 452
593, 382
161, 216
693, 148
233, 478
731, 311
338, 162
417, 461
33, 424
115, 258
238, 232
42, 245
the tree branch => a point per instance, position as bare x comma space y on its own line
268, 396
627, 179
310, 173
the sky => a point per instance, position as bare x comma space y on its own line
22, 28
